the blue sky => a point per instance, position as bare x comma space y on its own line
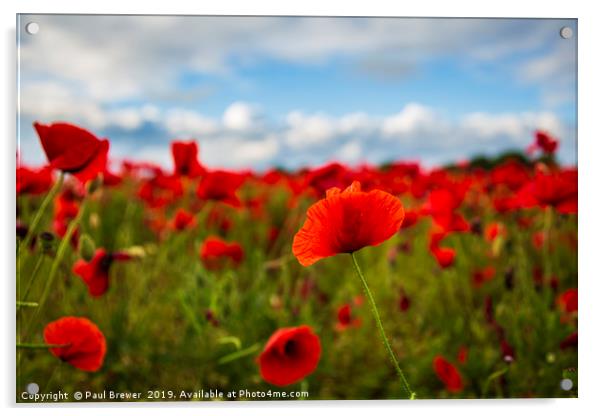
258, 92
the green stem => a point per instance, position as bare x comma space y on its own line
40, 213
32, 278
547, 230
30, 345
239, 354
404, 382
27, 304
60, 253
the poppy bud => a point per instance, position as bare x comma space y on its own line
476, 226
47, 242
210, 316
86, 248
94, 184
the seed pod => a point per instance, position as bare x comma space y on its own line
86, 247
47, 241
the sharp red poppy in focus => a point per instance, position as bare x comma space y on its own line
347, 221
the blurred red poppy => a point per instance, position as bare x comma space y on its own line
33, 181
66, 208
73, 150
161, 189
345, 318
347, 221
448, 374
221, 186
185, 157
511, 173
84, 344
445, 256
216, 253
480, 276
556, 189
494, 230
183, 220
290, 355
404, 301
95, 273
462, 354
410, 219
544, 142
569, 342
442, 205
567, 301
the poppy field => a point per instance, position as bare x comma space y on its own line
325, 283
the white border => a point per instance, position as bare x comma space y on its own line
590, 151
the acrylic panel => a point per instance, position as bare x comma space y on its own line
295, 208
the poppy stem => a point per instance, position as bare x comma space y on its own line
404, 382
40, 213
60, 253
27, 304
36, 346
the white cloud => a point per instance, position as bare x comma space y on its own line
48, 101
412, 119
308, 130
350, 152
117, 57
515, 127
241, 116
188, 123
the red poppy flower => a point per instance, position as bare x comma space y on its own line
185, 157
462, 354
555, 189
511, 173
410, 219
183, 220
221, 186
160, 189
95, 273
290, 355
73, 150
445, 256
479, 277
404, 302
538, 239
493, 230
85, 345
442, 206
345, 320
332, 175
345, 222
33, 181
448, 374
218, 218
569, 341
216, 253
544, 142
568, 301
66, 208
